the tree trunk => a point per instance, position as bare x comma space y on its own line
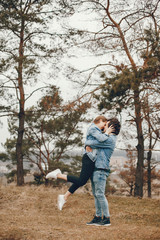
21, 115
149, 154
19, 151
138, 191
131, 189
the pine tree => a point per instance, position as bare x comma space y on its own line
51, 129
26, 40
133, 65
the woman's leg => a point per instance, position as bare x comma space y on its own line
86, 172
62, 176
66, 195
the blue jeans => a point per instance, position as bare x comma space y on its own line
98, 181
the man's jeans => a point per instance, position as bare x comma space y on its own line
98, 181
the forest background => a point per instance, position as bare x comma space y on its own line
107, 53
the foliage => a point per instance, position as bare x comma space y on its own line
127, 86
129, 171
110, 189
51, 129
38, 178
12, 175
3, 156
127, 34
28, 40
127, 174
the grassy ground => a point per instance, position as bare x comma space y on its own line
30, 213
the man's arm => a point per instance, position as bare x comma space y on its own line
101, 137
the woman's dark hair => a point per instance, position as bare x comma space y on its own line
116, 124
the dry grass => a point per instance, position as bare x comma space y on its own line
30, 213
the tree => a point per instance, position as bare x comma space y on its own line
151, 116
127, 174
133, 65
51, 128
128, 89
26, 40
129, 171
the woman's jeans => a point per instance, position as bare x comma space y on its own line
86, 172
98, 181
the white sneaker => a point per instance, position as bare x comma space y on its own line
53, 174
61, 201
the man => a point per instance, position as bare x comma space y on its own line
101, 173
88, 161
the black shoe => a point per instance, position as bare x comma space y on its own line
96, 221
105, 221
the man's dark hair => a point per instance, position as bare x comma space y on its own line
116, 124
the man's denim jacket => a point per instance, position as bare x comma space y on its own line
104, 151
94, 133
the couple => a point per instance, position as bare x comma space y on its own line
99, 147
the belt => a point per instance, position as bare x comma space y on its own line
103, 169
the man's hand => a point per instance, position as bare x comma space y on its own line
88, 149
